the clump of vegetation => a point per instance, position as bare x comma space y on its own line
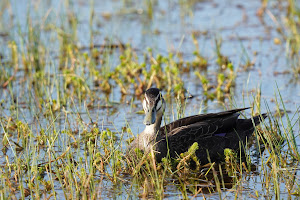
225, 81
161, 71
288, 26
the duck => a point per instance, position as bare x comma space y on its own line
214, 132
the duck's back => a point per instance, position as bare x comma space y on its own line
213, 132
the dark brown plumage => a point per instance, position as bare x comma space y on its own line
213, 132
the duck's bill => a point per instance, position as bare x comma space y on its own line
150, 117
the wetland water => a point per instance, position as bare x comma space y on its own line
56, 88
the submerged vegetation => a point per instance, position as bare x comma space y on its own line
70, 90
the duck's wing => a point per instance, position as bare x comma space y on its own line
220, 131
209, 133
205, 121
213, 133
206, 128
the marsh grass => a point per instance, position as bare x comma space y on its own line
54, 146
77, 164
288, 27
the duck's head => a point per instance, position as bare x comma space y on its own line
154, 106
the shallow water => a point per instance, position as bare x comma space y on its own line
169, 30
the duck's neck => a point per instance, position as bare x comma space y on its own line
146, 139
153, 129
